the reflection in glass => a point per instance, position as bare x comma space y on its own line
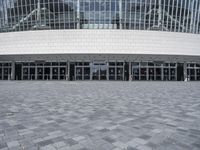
143, 74
55, 73
63, 73
46, 73
87, 73
111, 73
40, 73
120, 72
79, 73
151, 73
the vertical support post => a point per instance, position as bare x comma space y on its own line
139, 70
120, 14
50, 72
1, 67
75, 72
22, 72
176, 72
43, 72
78, 14
38, 13
162, 72
130, 71
195, 72
99, 72
12, 71
185, 71
107, 71
159, 15
147, 74
83, 72
192, 16
155, 72
91, 70
115, 70
36, 72
2, 72
58, 72
169, 68
68, 71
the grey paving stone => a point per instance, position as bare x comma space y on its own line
99, 115
109, 139
71, 142
3, 145
44, 143
13, 144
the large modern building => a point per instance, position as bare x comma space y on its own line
156, 40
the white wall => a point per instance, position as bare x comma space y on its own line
99, 41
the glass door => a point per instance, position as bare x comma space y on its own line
55, 73
62, 73
103, 71
47, 73
25, 73
79, 73
99, 71
32, 74
40, 73
86, 73
120, 71
95, 72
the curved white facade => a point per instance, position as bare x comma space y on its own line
99, 42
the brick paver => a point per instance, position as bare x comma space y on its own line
56, 115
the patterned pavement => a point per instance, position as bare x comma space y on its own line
55, 115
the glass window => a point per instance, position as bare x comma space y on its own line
22, 15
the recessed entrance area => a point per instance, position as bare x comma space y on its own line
101, 70
42, 71
154, 71
5, 71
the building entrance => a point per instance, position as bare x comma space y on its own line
42, 71
104, 70
47, 72
99, 71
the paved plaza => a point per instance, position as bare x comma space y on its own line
59, 115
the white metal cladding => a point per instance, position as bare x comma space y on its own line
99, 42
161, 15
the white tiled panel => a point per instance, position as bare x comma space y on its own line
99, 42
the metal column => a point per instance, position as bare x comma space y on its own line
139, 71
68, 71
162, 72
13, 71
120, 14
91, 63
147, 72
176, 72
130, 74
185, 71
51, 73
59, 73
195, 73
107, 71
35, 72
78, 14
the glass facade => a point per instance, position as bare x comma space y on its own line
5, 71
43, 71
104, 70
160, 15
